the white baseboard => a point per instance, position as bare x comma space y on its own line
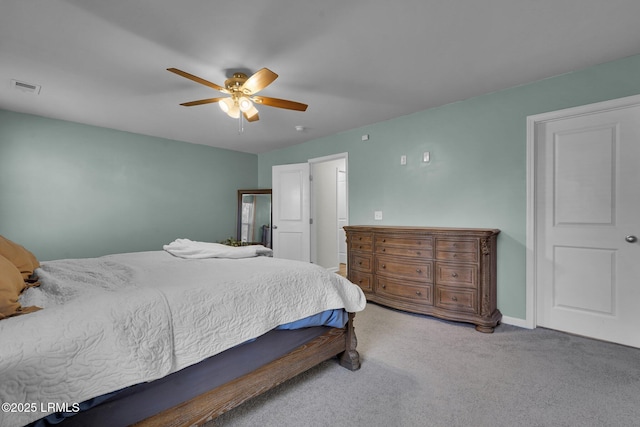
514, 321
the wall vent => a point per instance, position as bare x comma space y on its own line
25, 87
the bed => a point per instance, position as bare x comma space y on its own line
169, 337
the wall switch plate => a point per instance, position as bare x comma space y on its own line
365, 137
403, 160
426, 157
377, 215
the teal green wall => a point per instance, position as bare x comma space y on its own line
477, 173
72, 191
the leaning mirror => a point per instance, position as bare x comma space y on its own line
254, 217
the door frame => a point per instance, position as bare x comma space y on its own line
533, 121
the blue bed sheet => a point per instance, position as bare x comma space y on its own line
335, 318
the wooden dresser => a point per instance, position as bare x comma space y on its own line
448, 273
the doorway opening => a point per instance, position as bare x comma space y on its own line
329, 211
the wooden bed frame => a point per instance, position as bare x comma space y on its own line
209, 405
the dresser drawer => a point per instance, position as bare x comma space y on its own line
361, 261
457, 256
460, 275
465, 300
364, 280
457, 250
361, 242
404, 241
410, 292
418, 252
404, 268
453, 245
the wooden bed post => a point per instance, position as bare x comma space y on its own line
350, 358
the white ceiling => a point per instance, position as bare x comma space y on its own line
354, 62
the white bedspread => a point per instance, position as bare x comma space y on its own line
119, 320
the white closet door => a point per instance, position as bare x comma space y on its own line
588, 221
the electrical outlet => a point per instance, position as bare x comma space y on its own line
377, 215
403, 160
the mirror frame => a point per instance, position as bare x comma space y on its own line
242, 193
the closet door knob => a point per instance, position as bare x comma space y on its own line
631, 239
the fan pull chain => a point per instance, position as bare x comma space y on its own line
240, 124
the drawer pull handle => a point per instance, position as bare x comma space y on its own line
418, 270
418, 253
359, 262
360, 281
454, 298
384, 249
418, 293
360, 247
454, 274
384, 265
384, 286
384, 240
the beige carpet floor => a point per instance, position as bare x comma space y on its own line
420, 371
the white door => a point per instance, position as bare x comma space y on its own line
587, 219
291, 234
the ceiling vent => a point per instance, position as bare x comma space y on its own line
25, 87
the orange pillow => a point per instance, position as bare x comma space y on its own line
11, 285
24, 260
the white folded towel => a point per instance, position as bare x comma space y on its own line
185, 248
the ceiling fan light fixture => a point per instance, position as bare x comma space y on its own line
229, 106
234, 113
225, 104
245, 104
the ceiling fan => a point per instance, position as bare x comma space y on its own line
242, 90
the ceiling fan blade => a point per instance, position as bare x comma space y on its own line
261, 79
254, 118
201, 102
198, 79
279, 103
